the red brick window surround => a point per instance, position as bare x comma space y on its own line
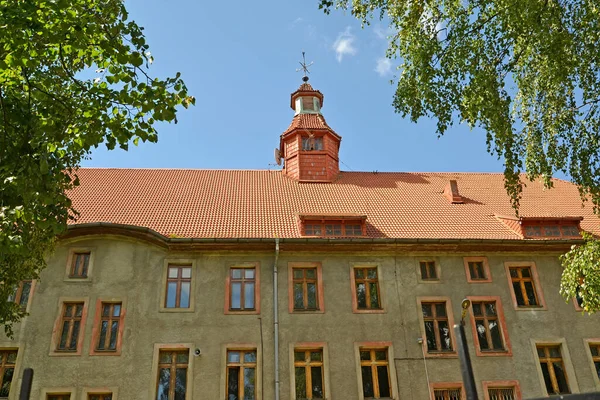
477, 269
553, 369
80, 264
305, 283
366, 291
71, 327
179, 283
447, 391
436, 317
501, 390
107, 334
375, 373
8, 359
242, 289
489, 326
172, 374
241, 374
525, 288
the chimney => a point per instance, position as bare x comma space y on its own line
451, 193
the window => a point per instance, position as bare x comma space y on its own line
7, 370
448, 394
21, 294
110, 321
242, 289
305, 283
99, 396
332, 226
549, 230
477, 269
595, 351
80, 263
179, 281
437, 327
553, 369
428, 271
308, 372
366, 288
172, 374
488, 324
501, 393
375, 373
523, 287
70, 327
63, 396
241, 375
312, 143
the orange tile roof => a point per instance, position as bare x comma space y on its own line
309, 121
266, 204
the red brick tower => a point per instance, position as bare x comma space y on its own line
309, 147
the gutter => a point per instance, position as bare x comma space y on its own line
276, 319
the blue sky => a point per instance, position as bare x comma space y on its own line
239, 60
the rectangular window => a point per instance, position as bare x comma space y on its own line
437, 327
62, 396
375, 373
553, 369
595, 350
308, 367
21, 294
172, 374
477, 270
305, 281
99, 396
448, 394
242, 288
70, 326
79, 265
502, 393
313, 230
523, 287
366, 288
110, 322
353, 230
428, 271
241, 375
487, 325
179, 282
7, 370
312, 143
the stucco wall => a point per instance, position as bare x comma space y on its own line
133, 270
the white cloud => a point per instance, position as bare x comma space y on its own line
297, 21
344, 45
381, 32
383, 66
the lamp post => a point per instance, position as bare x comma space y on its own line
466, 368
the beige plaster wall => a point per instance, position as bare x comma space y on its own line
132, 270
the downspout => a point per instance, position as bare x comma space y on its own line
276, 319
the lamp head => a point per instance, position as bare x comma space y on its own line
466, 303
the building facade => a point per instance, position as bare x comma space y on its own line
305, 283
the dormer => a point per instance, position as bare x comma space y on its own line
309, 147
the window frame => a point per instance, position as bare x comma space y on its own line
486, 269
437, 267
19, 293
158, 347
587, 343
180, 262
382, 304
507, 352
391, 365
58, 391
6, 347
299, 346
70, 258
99, 391
225, 347
536, 282
433, 386
567, 362
227, 305
501, 384
56, 333
450, 314
97, 324
320, 295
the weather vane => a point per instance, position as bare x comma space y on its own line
304, 68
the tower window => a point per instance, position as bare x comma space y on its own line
307, 103
312, 143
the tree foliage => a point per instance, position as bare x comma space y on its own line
581, 274
73, 74
525, 71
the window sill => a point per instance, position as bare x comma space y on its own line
479, 280
307, 312
242, 312
369, 311
176, 310
529, 308
105, 352
78, 280
493, 353
441, 354
58, 353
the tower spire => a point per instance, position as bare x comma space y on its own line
304, 67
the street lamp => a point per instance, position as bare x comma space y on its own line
466, 369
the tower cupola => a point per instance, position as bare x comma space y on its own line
309, 147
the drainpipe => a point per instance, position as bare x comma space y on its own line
276, 319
